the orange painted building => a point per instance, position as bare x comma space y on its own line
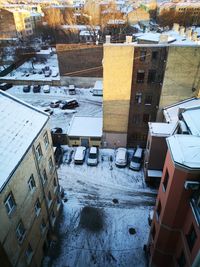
174, 240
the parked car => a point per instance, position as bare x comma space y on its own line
36, 88
55, 103
54, 74
136, 160
72, 90
48, 110
150, 217
67, 104
5, 86
46, 88
26, 88
79, 155
56, 130
121, 157
92, 159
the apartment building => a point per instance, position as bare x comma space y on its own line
7, 25
29, 188
175, 235
179, 118
139, 79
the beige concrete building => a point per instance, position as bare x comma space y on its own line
29, 189
138, 81
138, 14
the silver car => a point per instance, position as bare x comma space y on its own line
121, 157
92, 159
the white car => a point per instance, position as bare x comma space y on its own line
92, 159
136, 160
79, 155
121, 157
46, 88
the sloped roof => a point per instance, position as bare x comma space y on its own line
20, 124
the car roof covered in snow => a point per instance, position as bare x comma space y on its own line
121, 153
20, 124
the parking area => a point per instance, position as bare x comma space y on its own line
104, 220
89, 105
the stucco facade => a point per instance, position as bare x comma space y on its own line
29, 197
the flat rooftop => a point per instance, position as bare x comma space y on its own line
185, 150
162, 129
20, 125
86, 126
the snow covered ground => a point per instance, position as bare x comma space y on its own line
89, 105
97, 187
85, 186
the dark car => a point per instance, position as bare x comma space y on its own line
68, 104
5, 86
56, 130
36, 88
26, 88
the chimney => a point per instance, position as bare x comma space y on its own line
188, 33
175, 27
195, 37
163, 38
182, 31
107, 39
129, 39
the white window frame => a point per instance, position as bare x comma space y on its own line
44, 177
43, 226
49, 200
8, 206
37, 207
31, 183
29, 253
38, 151
46, 139
50, 164
20, 232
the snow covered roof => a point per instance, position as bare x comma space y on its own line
162, 129
20, 124
191, 117
154, 173
185, 150
86, 126
171, 112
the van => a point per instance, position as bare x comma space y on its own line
136, 160
98, 89
72, 90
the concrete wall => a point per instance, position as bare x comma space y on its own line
117, 73
181, 75
24, 209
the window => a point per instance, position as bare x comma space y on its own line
166, 179
74, 138
10, 203
49, 199
37, 207
46, 139
44, 176
138, 98
191, 238
181, 260
20, 232
151, 76
29, 253
195, 202
136, 119
143, 55
153, 232
148, 100
94, 138
154, 55
53, 217
50, 164
42, 226
158, 210
31, 183
140, 76
38, 152
146, 117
